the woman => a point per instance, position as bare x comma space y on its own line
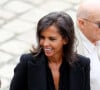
53, 65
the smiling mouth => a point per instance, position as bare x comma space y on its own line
47, 49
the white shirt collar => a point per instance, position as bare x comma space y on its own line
88, 45
90, 51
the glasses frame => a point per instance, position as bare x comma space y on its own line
96, 23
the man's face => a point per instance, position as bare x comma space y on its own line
91, 27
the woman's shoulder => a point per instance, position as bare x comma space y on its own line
26, 56
30, 57
83, 60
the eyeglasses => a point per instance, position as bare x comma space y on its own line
97, 23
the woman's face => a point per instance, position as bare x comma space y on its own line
52, 42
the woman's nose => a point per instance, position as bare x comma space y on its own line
46, 43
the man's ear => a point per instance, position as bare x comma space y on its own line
80, 23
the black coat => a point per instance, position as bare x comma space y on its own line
30, 74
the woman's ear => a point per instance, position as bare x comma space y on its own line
65, 41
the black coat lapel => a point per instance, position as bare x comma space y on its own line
77, 77
37, 74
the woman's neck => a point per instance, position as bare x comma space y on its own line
55, 59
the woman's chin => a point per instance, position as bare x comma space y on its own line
49, 54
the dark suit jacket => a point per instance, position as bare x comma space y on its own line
30, 74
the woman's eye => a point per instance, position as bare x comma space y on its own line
52, 39
41, 37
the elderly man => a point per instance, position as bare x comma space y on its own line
88, 35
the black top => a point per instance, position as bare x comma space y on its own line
31, 74
64, 76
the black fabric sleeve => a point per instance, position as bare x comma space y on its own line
19, 80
